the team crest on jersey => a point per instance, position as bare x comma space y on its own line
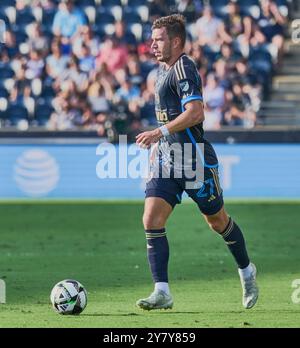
184, 86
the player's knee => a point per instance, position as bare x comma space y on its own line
152, 222
216, 225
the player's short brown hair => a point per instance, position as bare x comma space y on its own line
174, 24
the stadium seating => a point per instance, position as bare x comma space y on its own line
6, 71
6, 3
101, 16
17, 112
43, 111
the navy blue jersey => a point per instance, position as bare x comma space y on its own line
175, 87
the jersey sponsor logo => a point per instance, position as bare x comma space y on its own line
162, 116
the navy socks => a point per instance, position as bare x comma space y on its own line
158, 254
234, 239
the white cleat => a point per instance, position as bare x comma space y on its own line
250, 289
157, 300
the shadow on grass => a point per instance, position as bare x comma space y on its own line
159, 312
108, 315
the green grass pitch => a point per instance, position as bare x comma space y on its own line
103, 246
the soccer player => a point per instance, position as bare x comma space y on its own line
179, 111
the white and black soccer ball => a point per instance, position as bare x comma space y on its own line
68, 297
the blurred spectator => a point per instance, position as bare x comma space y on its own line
45, 4
113, 54
196, 52
35, 65
146, 58
85, 36
213, 96
72, 74
37, 41
234, 23
222, 72
244, 74
86, 59
127, 91
250, 82
240, 113
209, 29
158, 8
21, 87
228, 55
67, 21
56, 62
148, 116
272, 22
69, 109
134, 69
99, 97
11, 46
62, 118
190, 9
22, 4
123, 36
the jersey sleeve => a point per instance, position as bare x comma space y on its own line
187, 81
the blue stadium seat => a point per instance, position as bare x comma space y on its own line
17, 112
4, 18
218, 3
220, 11
136, 29
24, 17
248, 2
47, 31
260, 60
6, 3
47, 19
6, 71
99, 31
109, 3
104, 17
3, 115
3, 92
20, 34
131, 16
43, 111
281, 2
48, 91
85, 3
146, 35
135, 3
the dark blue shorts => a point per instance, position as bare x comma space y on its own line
208, 197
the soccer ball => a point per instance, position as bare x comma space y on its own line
68, 297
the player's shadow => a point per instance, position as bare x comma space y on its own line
109, 315
195, 312
143, 313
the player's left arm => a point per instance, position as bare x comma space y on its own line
192, 115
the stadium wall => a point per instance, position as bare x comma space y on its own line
71, 170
